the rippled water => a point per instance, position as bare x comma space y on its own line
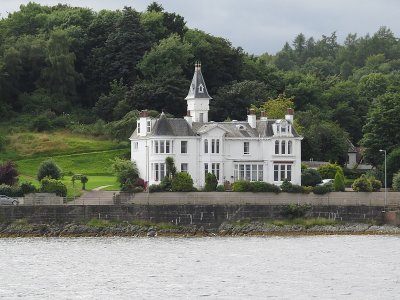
321, 267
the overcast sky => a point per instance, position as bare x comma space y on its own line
260, 26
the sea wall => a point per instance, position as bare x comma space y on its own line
209, 216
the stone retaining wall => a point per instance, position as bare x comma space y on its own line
210, 216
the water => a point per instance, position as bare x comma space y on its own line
320, 267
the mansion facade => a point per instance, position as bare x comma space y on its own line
256, 150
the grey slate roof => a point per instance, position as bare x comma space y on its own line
179, 127
198, 87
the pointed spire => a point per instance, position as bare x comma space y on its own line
198, 89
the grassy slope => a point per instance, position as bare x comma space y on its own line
75, 154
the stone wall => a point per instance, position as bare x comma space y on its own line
210, 216
231, 198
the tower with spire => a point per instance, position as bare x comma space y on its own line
198, 99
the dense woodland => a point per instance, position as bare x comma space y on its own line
71, 67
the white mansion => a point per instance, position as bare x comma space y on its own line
257, 150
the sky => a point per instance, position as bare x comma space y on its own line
260, 26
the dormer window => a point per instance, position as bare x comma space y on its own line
201, 88
148, 126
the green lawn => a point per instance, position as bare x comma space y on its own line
73, 153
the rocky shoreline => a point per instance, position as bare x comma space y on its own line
226, 229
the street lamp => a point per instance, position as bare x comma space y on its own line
384, 151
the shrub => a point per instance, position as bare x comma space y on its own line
156, 188
396, 182
126, 171
338, 184
27, 187
49, 168
310, 177
307, 189
293, 211
320, 190
220, 188
5, 190
211, 183
3, 142
166, 184
41, 123
260, 187
376, 184
328, 171
362, 184
49, 185
137, 189
8, 173
241, 186
182, 182
286, 186
296, 189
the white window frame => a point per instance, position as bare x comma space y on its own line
185, 167
246, 147
249, 172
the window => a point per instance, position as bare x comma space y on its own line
205, 169
201, 88
148, 126
215, 170
276, 173
201, 117
246, 148
215, 146
162, 146
205, 146
138, 126
250, 172
283, 147
289, 147
282, 172
184, 168
183, 146
276, 147
158, 170
135, 146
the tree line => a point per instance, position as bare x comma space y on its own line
70, 61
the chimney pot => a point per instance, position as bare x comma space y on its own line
290, 111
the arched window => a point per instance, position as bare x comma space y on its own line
201, 88
289, 147
276, 147
283, 147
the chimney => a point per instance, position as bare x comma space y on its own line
252, 118
143, 122
189, 118
263, 116
289, 115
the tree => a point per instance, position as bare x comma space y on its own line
382, 129
170, 167
211, 182
49, 168
243, 94
182, 182
277, 108
325, 141
84, 180
392, 164
396, 182
106, 106
339, 182
310, 177
329, 171
126, 171
8, 173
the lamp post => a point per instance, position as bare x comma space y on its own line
384, 151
